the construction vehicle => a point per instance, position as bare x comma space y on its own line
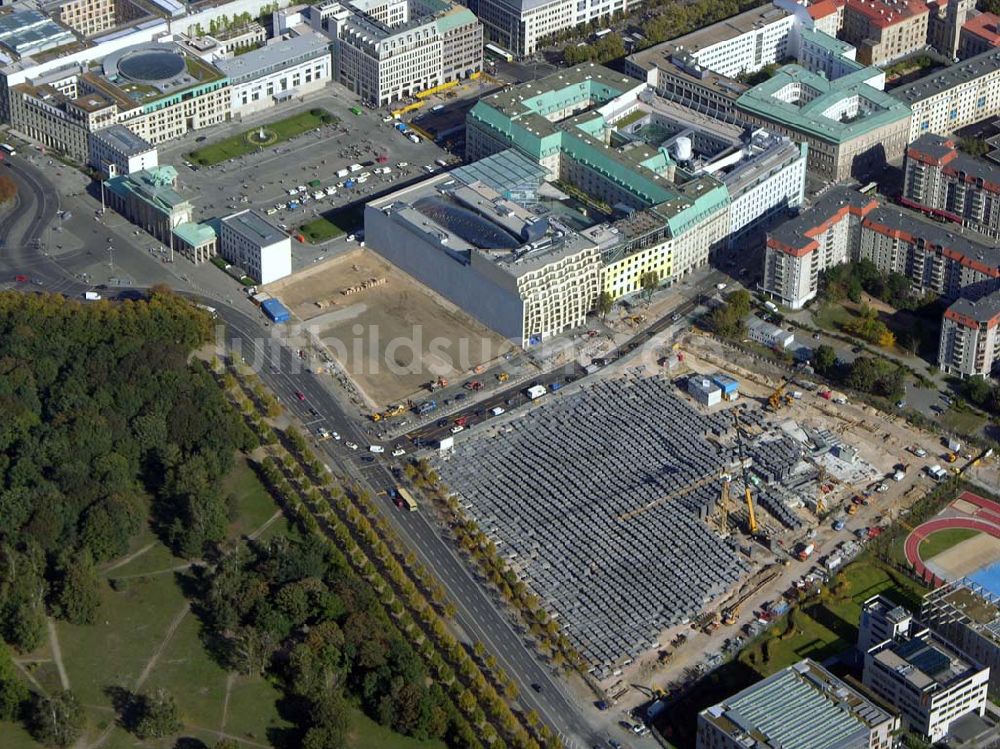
397, 409
437, 384
852, 509
475, 385
780, 397
503, 377
752, 527
731, 613
951, 457
724, 505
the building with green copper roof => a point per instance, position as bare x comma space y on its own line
566, 123
852, 127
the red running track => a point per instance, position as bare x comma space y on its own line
918, 534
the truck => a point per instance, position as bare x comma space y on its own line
535, 391
426, 407
91, 296
276, 311
806, 551
954, 445
355, 168
936, 472
654, 710
341, 173
555, 386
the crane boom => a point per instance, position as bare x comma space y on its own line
751, 515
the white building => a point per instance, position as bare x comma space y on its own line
769, 335
385, 50
248, 241
969, 345
519, 25
117, 150
703, 390
284, 69
967, 615
924, 678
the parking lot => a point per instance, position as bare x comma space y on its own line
263, 180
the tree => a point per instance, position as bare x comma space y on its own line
56, 720
604, 303
77, 595
824, 359
13, 692
156, 715
649, 281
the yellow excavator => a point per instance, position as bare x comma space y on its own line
780, 397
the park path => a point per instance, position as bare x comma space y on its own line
267, 524
134, 555
57, 653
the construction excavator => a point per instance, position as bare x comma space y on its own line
780, 397
395, 410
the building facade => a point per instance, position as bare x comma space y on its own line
800, 706
390, 51
929, 682
942, 181
968, 346
979, 34
821, 237
885, 30
967, 615
117, 150
277, 71
149, 199
947, 100
262, 250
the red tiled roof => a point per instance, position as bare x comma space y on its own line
824, 8
985, 26
884, 13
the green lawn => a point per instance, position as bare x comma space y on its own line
832, 317
962, 422
365, 732
940, 541
320, 230
253, 505
829, 625
240, 145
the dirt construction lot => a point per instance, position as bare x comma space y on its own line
391, 334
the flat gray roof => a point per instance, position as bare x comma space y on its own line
972, 245
274, 57
122, 140
254, 228
947, 79
981, 309
793, 232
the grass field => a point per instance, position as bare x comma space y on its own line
940, 541
240, 145
320, 230
962, 421
829, 625
832, 317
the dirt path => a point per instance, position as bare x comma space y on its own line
130, 557
30, 677
267, 524
167, 571
225, 705
57, 653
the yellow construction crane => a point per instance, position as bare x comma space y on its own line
779, 398
751, 515
724, 505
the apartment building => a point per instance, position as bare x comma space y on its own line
881, 620
947, 100
251, 242
967, 615
936, 258
801, 706
281, 70
968, 345
519, 25
386, 51
117, 150
525, 276
885, 30
942, 181
946, 23
819, 238
979, 34
926, 680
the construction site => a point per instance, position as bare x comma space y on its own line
637, 508
388, 333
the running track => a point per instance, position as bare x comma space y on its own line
985, 520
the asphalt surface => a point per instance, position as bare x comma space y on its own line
481, 617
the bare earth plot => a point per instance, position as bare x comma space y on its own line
393, 336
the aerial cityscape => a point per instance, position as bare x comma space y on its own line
510, 374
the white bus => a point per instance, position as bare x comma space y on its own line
8, 148
498, 52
